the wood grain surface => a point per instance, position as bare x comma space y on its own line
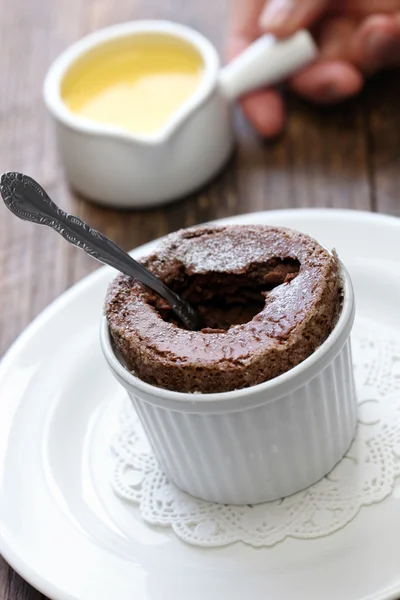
346, 157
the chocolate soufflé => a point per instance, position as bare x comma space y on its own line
269, 297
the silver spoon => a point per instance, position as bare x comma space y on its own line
24, 197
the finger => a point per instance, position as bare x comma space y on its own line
236, 45
366, 7
244, 19
266, 112
263, 108
285, 17
328, 82
376, 44
243, 27
334, 36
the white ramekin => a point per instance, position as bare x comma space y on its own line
260, 443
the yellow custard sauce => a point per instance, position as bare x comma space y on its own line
134, 83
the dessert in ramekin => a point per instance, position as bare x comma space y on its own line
260, 403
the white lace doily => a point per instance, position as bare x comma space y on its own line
365, 476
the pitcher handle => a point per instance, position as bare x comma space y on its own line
267, 62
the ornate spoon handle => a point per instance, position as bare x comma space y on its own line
26, 199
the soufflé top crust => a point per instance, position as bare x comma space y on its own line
269, 297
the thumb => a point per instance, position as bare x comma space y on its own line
285, 17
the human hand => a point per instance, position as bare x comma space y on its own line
356, 38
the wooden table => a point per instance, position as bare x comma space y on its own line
346, 157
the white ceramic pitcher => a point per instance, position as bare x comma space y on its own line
114, 167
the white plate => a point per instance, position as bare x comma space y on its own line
62, 528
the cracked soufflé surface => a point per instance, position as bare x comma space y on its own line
269, 297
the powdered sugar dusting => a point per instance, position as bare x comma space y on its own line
219, 249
